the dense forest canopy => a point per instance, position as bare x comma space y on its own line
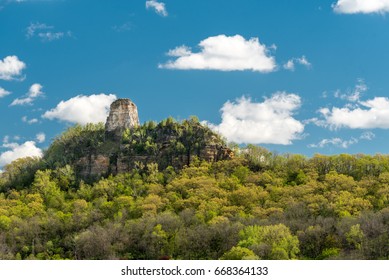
257, 205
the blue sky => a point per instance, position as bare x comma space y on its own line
293, 76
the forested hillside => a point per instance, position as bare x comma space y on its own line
255, 205
93, 154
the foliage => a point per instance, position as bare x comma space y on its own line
75, 142
170, 143
258, 205
270, 242
239, 253
19, 174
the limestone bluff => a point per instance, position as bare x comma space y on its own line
123, 144
123, 115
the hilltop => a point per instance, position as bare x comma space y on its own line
122, 144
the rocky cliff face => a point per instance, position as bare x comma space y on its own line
123, 115
124, 144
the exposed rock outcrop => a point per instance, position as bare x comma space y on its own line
93, 166
123, 114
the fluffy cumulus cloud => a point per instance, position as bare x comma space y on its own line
361, 6
369, 114
291, 64
15, 151
356, 113
82, 109
11, 68
34, 92
223, 53
45, 32
268, 122
3, 92
158, 7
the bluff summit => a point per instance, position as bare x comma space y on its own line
123, 144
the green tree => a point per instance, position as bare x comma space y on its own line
19, 174
270, 242
355, 237
239, 253
43, 184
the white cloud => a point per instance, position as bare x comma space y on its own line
373, 113
367, 135
361, 6
291, 64
357, 114
33, 27
270, 122
50, 36
11, 68
82, 109
29, 121
303, 61
3, 92
337, 142
41, 137
180, 51
158, 7
354, 95
27, 149
34, 92
224, 53
340, 143
45, 32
